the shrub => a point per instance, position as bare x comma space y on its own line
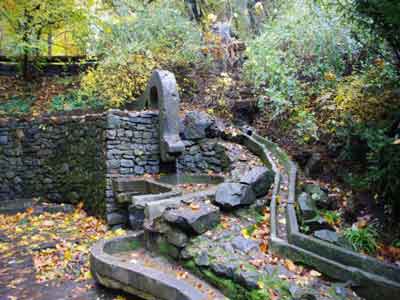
135, 40
368, 96
299, 53
383, 16
117, 82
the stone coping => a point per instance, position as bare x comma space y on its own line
375, 278
135, 278
78, 115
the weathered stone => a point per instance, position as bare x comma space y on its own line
3, 140
194, 218
314, 166
196, 124
232, 195
177, 238
260, 179
162, 93
202, 260
223, 268
245, 245
306, 206
247, 278
116, 218
319, 196
327, 235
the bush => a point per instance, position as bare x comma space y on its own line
375, 149
117, 82
384, 17
137, 39
299, 53
368, 96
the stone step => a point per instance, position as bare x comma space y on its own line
194, 218
156, 209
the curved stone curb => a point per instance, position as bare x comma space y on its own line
375, 278
135, 278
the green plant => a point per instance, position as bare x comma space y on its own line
332, 217
383, 16
137, 39
16, 105
74, 100
362, 239
309, 47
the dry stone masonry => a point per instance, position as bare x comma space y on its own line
73, 158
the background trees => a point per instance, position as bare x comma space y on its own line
33, 28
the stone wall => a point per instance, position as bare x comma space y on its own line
73, 158
70, 159
60, 158
132, 148
203, 156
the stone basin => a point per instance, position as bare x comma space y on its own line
121, 263
133, 190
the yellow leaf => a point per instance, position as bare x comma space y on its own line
290, 265
67, 255
245, 233
194, 206
260, 284
315, 273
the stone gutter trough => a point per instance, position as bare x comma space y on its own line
371, 278
137, 278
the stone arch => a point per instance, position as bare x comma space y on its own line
162, 94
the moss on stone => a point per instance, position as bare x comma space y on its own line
78, 167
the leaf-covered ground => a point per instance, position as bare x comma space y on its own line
46, 256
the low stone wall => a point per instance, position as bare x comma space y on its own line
60, 158
203, 156
71, 158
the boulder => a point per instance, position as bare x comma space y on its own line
202, 260
196, 124
319, 196
196, 218
177, 238
249, 279
245, 245
306, 206
224, 268
327, 235
260, 179
232, 195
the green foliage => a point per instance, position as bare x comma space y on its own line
369, 144
383, 16
137, 39
368, 96
308, 48
16, 105
332, 217
362, 239
74, 100
28, 24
